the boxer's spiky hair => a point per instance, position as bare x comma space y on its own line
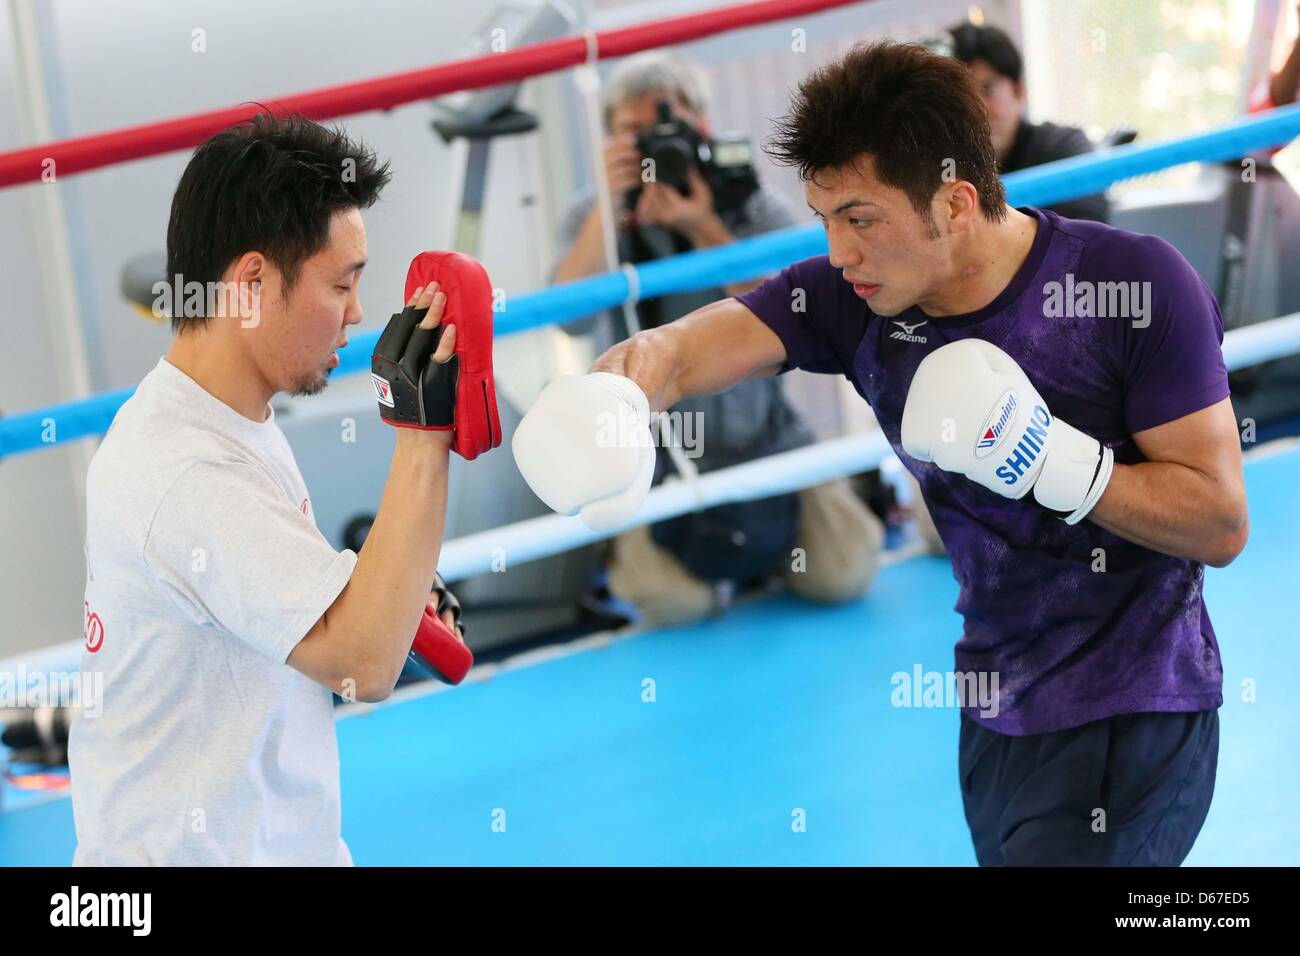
916, 114
270, 184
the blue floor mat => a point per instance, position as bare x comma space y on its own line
771, 738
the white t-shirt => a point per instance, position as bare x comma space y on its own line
204, 570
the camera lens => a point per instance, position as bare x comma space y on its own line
673, 159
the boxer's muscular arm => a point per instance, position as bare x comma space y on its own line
707, 351
1189, 498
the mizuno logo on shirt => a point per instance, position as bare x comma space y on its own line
906, 332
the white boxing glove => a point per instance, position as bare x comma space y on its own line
972, 410
585, 448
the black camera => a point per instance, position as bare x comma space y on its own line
674, 147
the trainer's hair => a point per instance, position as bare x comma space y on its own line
917, 114
269, 184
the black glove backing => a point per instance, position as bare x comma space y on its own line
413, 390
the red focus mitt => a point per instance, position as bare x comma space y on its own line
476, 425
436, 651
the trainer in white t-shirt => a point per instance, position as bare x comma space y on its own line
204, 569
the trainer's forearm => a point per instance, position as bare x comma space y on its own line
379, 610
1176, 510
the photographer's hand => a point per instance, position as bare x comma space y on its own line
622, 166
692, 216
586, 253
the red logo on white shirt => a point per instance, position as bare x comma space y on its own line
305, 508
94, 630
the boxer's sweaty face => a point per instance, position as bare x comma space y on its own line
893, 256
320, 306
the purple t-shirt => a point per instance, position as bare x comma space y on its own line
1069, 644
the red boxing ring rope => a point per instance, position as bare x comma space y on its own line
83, 153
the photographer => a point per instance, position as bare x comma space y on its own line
998, 69
823, 541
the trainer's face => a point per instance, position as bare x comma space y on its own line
1005, 102
894, 257
306, 326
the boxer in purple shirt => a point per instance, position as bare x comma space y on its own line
1070, 429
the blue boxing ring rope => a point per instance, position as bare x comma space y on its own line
709, 268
